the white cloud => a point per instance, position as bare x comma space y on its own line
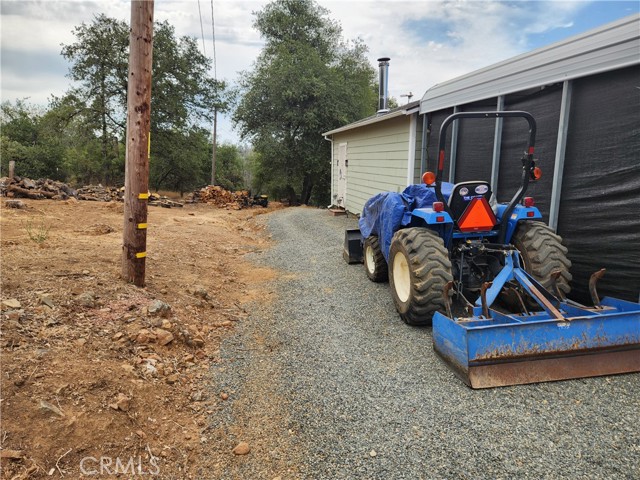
469, 35
37, 89
428, 41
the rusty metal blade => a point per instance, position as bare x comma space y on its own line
447, 299
483, 297
593, 282
552, 369
520, 299
554, 281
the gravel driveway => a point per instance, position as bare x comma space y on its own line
331, 384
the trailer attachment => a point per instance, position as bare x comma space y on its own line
563, 340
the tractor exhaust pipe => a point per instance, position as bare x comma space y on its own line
383, 85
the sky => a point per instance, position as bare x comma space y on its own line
428, 41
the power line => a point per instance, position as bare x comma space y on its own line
204, 50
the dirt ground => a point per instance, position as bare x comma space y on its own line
100, 377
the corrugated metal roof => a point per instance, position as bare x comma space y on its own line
612, 46
407, 109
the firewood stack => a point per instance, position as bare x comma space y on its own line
45, 188
156, 200
22, 187
221, 198
98, 193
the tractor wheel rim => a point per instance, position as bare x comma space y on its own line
370, 261
401, 277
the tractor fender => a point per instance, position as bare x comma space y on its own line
519, 214
440, 222
432, 217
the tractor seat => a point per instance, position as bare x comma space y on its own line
464, 192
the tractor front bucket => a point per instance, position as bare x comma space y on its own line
352, 252
518, 349
564, 340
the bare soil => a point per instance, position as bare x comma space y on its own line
95, 371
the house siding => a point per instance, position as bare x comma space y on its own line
377, 156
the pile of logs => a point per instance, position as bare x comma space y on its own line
98, 193
22, 187
156, 200
219, 197
18, 187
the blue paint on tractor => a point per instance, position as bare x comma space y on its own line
561, 329
557, 339
519, 214
466, 343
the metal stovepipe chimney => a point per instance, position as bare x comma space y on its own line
383, 82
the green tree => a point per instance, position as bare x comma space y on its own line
306, 80
250, 160
185, 160
83, 147
183, 95
229, 167
25, 138
183, 92
99, 59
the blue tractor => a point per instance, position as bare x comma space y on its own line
508, 270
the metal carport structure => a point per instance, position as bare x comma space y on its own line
585, 94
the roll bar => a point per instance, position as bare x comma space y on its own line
528, 163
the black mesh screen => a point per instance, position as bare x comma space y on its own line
599, 217
432, 142
544, 105
600, 204
475, 144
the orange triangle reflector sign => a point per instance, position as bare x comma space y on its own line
477, 217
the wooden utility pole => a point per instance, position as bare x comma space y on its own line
138, 143
215, 110
213, 159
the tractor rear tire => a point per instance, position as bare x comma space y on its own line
543, 253
374, 262
419, 269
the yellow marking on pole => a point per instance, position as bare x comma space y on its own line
144, 196
142, 226
141, 254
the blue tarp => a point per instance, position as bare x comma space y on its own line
385, 213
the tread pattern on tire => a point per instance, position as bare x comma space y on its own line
380, 271
430, 270
543, 253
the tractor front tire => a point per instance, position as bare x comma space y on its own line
419, 269
374, 262
543, 253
